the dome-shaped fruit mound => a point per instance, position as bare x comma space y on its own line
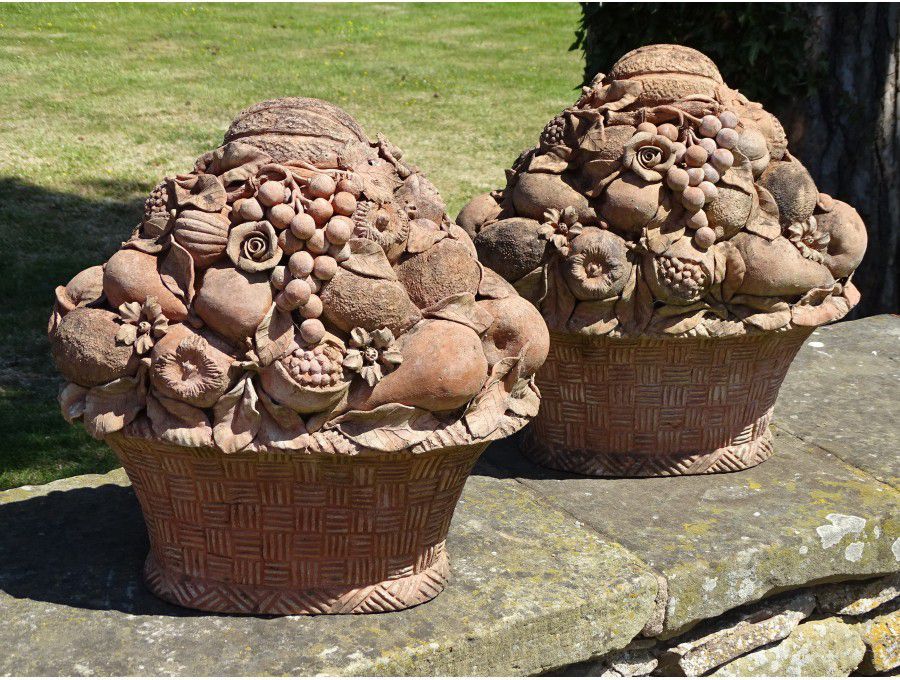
664, 202
302, 287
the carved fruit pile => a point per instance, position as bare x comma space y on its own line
301, 286
665, 202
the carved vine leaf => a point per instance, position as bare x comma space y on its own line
463, 309
204, 192
766, 222
391, 427
368, 259
150, 246
493, 286
280, 427
767, 314
485, 411
177, 272
72, 401
110, 407
559, 303
237, 417
178, 423
274, 336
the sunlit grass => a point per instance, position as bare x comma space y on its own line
100, 101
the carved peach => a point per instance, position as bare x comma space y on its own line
848, 239
132, 276
511, 247
85, 349
443, 368
777, 268
441, 271
233, 302
351, 300
516, 323
729, 212
476, 212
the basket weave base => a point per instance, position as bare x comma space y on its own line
234, 598
295, 532
649, 406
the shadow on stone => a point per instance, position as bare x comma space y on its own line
80, 548
505, 459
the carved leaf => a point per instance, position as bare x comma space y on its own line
274, 336
767, 314
204, 192
559, 303
421, 239
110, 407
485, 411
525, 400
177, 272
368, 259
236, 417
533, 286
766, 221
150, 246
280, 427
735, 268
594, 317
493, 286
175, 422
675, 319
635, 308
551, 162
463, 309
391, 427
72, 401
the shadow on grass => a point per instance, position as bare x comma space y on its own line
48, 237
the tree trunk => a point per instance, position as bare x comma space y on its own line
848, 133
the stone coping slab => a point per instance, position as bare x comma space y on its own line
802, 517
531, 589
842, 394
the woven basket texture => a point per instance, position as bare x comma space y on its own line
295, 533
651, 406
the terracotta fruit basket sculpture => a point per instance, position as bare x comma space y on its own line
297, 358
680, 256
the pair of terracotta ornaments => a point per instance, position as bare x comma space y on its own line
298, 357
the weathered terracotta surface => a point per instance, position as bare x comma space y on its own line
298, 359
657, 216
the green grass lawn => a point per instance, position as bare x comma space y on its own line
101, 101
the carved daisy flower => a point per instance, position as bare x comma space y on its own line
560, 228
142, 325
372, 355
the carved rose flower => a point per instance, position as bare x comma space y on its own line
560, 228
649, 156
372, 354
142, 325
253, 246
811, 241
